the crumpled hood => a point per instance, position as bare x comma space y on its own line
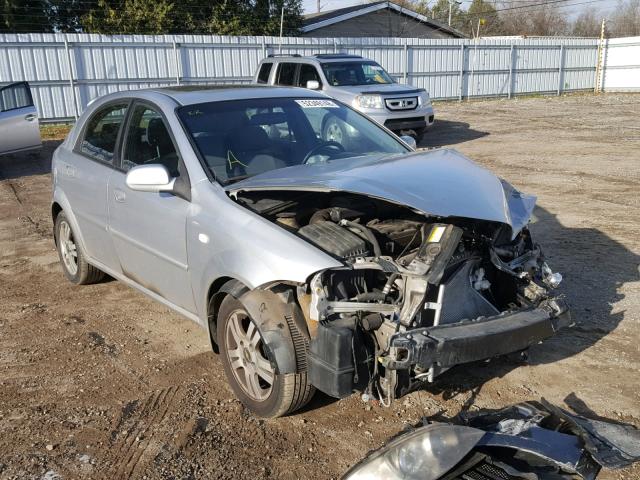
440, 182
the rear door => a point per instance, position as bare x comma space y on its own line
19, 126
83, 176
286, 74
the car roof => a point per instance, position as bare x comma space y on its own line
192, 94
319, 58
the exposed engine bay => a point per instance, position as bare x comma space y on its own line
417, 294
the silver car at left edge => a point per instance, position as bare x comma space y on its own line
346, 266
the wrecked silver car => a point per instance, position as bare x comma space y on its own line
350, 265
527, 441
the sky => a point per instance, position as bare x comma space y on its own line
604, 6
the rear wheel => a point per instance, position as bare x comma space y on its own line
251, 369
72, 256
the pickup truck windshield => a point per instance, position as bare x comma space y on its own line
355, 73
241, 138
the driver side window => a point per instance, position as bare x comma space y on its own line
148, 141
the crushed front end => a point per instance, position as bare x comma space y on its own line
416, 295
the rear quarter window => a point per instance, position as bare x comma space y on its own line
263, 74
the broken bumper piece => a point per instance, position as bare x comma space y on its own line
532, 440
444, 346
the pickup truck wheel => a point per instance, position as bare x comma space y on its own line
250, 370
72, 256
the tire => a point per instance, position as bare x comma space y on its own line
72, 256
420, 133
250, 373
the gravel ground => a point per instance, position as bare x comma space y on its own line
101, 382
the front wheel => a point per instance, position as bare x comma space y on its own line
250, 368
72, 256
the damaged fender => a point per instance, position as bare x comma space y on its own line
282, 326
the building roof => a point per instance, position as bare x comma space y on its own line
314, 21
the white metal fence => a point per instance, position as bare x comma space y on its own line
621, 72
66, 71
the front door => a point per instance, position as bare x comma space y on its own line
19, 127
149, 229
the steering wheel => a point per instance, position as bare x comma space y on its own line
327, 146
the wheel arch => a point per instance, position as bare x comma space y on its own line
218, 290
56, 208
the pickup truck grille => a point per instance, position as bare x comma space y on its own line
406, 103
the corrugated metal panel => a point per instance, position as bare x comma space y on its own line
622, 65
447, 68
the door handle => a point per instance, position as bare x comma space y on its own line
119, 195
70, 171
30, 118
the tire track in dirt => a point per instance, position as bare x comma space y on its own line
136, 446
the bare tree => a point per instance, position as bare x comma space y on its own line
625, 22
587, 23
544, 20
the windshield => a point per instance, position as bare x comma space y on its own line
355, 73
241, 138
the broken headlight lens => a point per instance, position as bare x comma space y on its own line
427, 453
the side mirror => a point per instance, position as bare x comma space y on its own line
409, 140
313, 85
150, 178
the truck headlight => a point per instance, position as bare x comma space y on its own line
369, 101
427, 453
424, 98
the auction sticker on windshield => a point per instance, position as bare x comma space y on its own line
316, 104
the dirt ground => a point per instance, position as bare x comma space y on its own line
101, 382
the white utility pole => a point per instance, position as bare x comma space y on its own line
451, 2
281, 26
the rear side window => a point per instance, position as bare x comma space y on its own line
286, 74
15, 96
263, 74
100, 136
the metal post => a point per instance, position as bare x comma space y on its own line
560, 65
461, 81
71, 82
335, 46
176, 56
264, 48
405, 74
281, 27
599, 71
510, 72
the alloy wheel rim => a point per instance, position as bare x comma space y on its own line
68, 248
245, 352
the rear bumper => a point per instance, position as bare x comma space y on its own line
447, 345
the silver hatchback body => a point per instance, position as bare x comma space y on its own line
311, 263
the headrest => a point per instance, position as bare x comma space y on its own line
250, 138
157, 134
268, 118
